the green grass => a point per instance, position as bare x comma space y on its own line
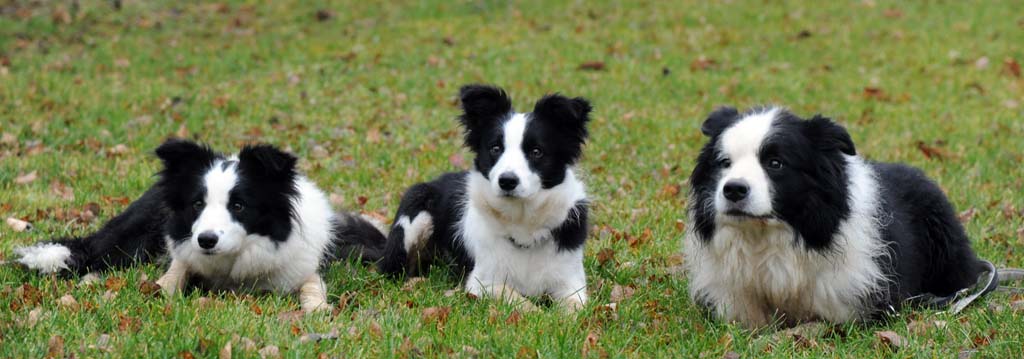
374, 86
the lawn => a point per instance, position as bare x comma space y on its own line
364, 93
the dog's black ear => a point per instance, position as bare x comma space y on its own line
266, 161
719, 120
180, 156
572, 112
481, 105
828, 136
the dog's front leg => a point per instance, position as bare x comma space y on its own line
174, 279
571, 296
313, 294
500, 292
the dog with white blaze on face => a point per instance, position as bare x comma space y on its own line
517, 221
248, 222
789, 225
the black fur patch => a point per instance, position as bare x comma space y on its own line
262, 199
557, 128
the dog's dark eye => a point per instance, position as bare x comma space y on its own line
725, 163
496, 150
536, 153
237, 207
198, 205
774, 164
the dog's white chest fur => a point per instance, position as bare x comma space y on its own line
760, 270
511, 241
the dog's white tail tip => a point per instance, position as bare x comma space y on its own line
44, 257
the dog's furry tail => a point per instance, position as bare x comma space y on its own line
358, 236
134, 236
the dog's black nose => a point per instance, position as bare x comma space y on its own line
736, 190
207, 239
508, 181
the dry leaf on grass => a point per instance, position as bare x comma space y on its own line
55, 348
437, 315
411, 283
270, 351
890, 339
620, 293
26, 178
68, 301
592, 66
225, 352
291, 316
18, 225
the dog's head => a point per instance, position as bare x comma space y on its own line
221, 205
521, 154
768, 165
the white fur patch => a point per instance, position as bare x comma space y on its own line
741, 144
750, 273
44, 257
510, 240
514, 161
215, 216
416, 231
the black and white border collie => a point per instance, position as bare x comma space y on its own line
517, 221
788, 224
248, 222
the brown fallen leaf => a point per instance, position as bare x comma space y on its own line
437, 315
128, 323
291, 316
671, 190
605, 256
967, 215
514, 318
875, 93
117, 150
225, 352
375, 329
55, 348
702, 63
270, 351
527, 353
115, 283
18, 225
410, 284
932, 152
890, 339
592, 66
324, 15
61, 190
185, 354
256, 309
26, 178
1011, 67
148, 287
33, 317
590, 343
68, 301
620, 293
